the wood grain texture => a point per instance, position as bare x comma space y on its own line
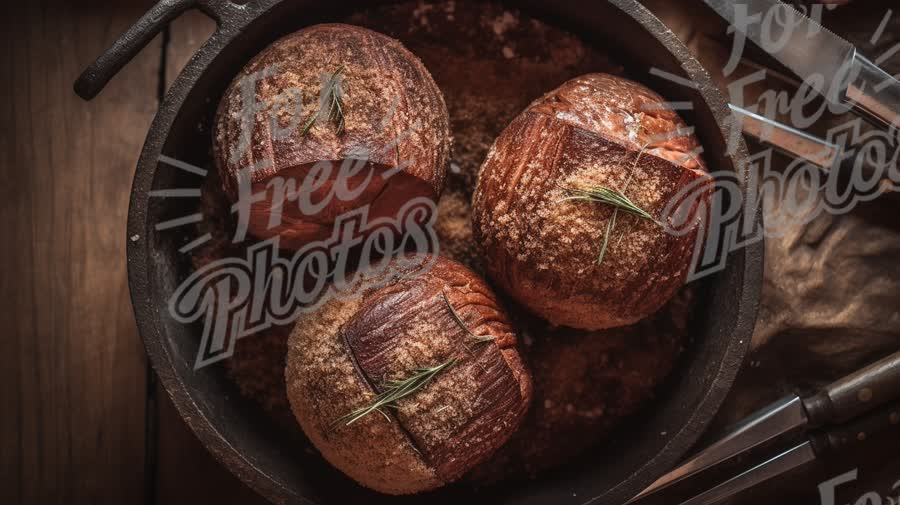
72, 371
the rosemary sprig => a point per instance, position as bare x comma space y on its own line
608, 196
395, 390
609, 228
614, 198
332, 94
478, 338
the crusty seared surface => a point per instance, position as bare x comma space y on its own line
473, 43
394, 116
624, 112
340, 355
542, 249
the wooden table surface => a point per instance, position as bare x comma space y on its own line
82, 419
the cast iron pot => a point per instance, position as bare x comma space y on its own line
238, 435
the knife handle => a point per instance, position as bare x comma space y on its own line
875, 94
855, 394
865, 428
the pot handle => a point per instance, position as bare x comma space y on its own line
96, 76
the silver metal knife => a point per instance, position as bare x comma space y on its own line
827, 63
846, 399
819, 444
791, 141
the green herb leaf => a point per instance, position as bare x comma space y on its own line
612, 197
609, 228
395, 390
608, 196
478, 338
332, 94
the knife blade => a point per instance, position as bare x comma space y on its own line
844, 399
818, 445
792, 141
766, 424
805, 47
784, 462
827, 63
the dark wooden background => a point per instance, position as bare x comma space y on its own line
82, 419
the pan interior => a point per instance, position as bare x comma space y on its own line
634, 457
